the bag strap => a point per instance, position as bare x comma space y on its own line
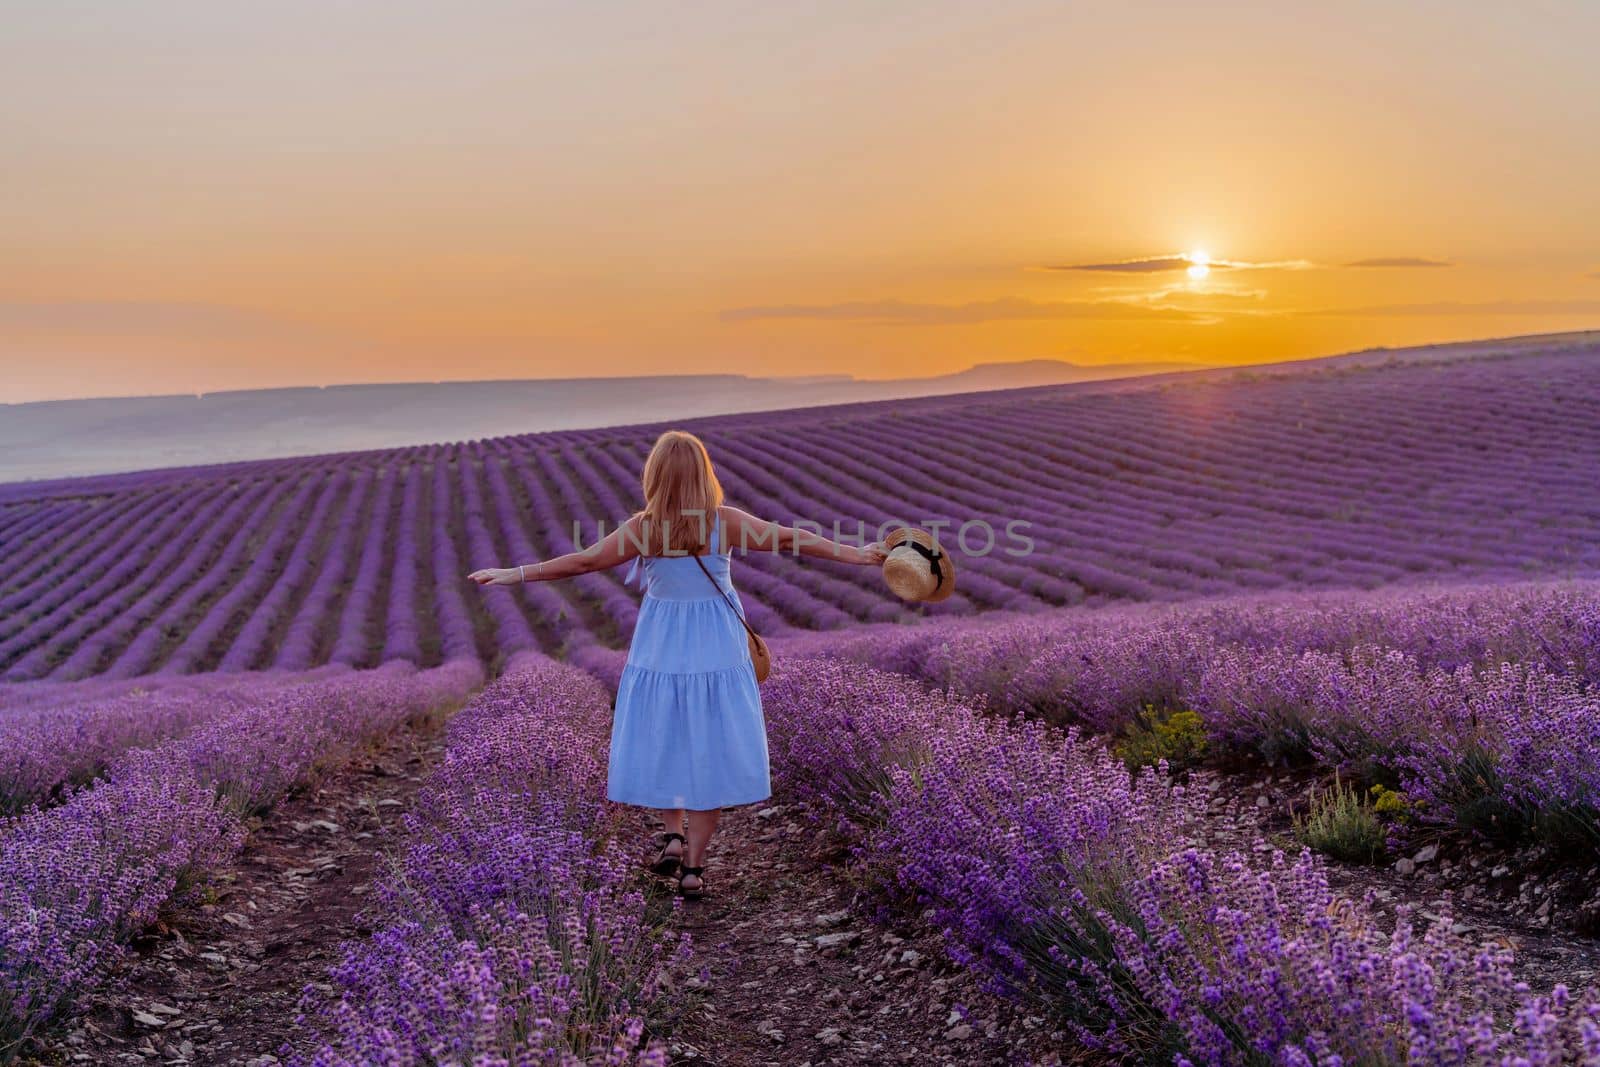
725, 597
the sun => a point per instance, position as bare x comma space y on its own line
1199, 263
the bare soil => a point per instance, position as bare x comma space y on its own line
793, 973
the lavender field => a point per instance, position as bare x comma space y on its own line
1219, 771
1325, 474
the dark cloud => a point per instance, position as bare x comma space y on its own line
903, 312
1150, 265
1399, 261
1453, 307
1177, 262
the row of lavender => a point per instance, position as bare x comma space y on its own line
511, 926
1480, 703
78, 879
1087, 894
1142, 491
55, 737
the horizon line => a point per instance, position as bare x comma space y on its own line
780, 378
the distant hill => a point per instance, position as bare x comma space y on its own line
65, 438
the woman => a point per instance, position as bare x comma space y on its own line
687, 737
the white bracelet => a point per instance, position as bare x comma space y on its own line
522, 572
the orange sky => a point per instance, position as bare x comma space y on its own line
197, 196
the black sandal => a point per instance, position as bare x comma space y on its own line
667, 865
691, 872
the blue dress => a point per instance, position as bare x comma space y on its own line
688, 731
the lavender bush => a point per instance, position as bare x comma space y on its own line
77, 881
1411, 690
69, 734
1071, 884
511, 927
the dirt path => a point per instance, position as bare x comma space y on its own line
221, 983
795, 974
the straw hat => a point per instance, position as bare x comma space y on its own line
917, 568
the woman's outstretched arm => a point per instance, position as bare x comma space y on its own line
618, 546
744, 530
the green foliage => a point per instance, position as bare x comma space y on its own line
1343, 824
1477, 795
1391, 804
1179, 737
1572, 829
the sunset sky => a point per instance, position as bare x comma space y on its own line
209, 195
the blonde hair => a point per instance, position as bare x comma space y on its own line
681, 495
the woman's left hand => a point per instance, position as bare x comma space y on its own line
496, 576
874, 554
